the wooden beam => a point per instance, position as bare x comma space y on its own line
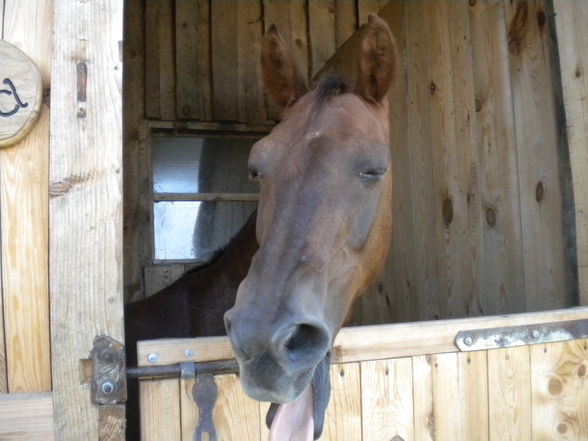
363, 343
85, 208
3, 373
24, 217
26, 417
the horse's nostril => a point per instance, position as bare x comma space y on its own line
306, 342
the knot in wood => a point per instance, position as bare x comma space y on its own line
490, 216
433, 87
447, 210
541, 18
518, 28
539, 191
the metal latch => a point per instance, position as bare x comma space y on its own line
109, 382
506, 337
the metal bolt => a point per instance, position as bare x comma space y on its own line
535, 333
188, 353
107, 387
468, 340
152, 358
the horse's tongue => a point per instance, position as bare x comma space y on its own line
294, 421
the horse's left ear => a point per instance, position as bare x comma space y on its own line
378, 60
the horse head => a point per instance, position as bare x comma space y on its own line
323, 223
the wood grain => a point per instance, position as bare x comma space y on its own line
85, 207
387, 400
537, 152
160, 409
321, 25
345, 20
24, 218
366, 7
188, 409
343, 418
560, 392
26, 417
473, 395
570, 17
509, 394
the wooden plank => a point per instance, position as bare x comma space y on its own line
3, 367
387, 400
236, 416
366, 7
343, 419
158, 277
160, 409
570, 17
26, 417
560, 391
193, 82
537, 151
509, 394
224, 60
160, 76
290, 19
24, 201
345, 21
188, 409
425, 305
136, 157
250, 97
473, 395
85, 207
363, 343
111, 422
424, 423
502, 276
321, 25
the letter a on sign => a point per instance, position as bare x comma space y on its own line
21, 93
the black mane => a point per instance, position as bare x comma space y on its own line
329, 86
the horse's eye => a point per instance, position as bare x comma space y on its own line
372, 174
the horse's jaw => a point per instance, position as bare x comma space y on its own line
303, 418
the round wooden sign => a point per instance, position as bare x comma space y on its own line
21, 94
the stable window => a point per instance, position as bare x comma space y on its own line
201, 194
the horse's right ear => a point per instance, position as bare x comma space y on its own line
282, 79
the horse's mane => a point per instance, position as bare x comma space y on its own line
332, 84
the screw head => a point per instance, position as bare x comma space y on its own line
188, 353
468, 341
152, 358
535, 333
107, 387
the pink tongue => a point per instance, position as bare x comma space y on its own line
294, 421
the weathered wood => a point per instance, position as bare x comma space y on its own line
85, 204
560, 391
321, 25
24, 218
366, 7
570, 19
193, 84
188, 409
473, 395
502, 276
345, 20
111, 422
387, 400
160, 409
26, 417
424, 424
537, 152
158, 277
364, 343
509, 394
343, 417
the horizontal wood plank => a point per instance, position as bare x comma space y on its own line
363, 343
26, 417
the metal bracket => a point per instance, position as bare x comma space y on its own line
109, 381
482, 339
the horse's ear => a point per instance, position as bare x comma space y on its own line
378, 60
282, 79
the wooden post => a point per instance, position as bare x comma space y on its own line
86, 275
23, 200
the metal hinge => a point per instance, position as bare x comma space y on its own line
109, 382
494, 338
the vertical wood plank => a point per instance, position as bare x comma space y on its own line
424, 414
570, 17
193, 83
158, 277
85, 206
537, 150
224, 60
160, 76
160, 409
502, 274
560, 391
473, 395
321, 24
24, 217
387, 400
250, 97
188, 409
366, 7
345, 20
236, 416
343, 419
26, 417
509, 394
447, 408
426, 280
290, 19
3, 367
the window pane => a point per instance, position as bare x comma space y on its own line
196, 230
201, 165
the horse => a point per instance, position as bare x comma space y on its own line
192, 306
323, 227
